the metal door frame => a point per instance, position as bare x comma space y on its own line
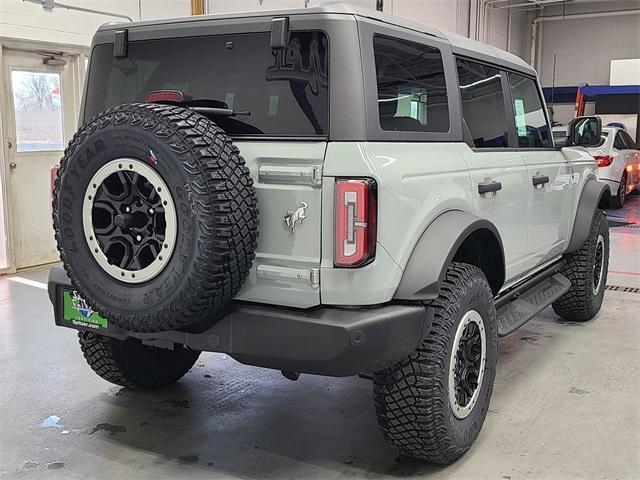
76, 54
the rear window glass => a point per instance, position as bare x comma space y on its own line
412, 92
275, 92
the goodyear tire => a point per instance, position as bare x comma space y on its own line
129, 363
587, 269
155, 217
621, 193
432, 404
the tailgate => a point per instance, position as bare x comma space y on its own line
288, 180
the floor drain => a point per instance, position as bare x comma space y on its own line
619, 288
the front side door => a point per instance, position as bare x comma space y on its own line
498, 173
42, 111
550, 182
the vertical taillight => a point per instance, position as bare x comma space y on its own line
355, 227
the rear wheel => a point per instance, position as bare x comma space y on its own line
130, 363
432, 404
621, 194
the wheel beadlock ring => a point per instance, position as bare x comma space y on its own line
598, 265
167, 212
471, 328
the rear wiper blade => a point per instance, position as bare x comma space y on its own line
222, 112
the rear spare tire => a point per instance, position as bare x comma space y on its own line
155, 216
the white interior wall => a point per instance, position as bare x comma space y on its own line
28, 21
586, 46
520, 35
448, 15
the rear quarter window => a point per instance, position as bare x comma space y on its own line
285, 91
412, 92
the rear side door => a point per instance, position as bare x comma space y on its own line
550, 183
635, 159
498, 172
627, 149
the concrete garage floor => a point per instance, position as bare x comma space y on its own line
565, 404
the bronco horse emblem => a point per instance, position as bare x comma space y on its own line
294, 217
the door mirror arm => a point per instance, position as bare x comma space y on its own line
560, 143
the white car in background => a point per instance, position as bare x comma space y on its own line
618, 160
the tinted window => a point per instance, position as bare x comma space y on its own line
412, 93
619, 142
629, 141
532, 128
285, 91
482, 104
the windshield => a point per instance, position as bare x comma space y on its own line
279, 92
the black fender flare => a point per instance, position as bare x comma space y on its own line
436, 249
594, 195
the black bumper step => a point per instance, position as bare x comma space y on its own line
325, 341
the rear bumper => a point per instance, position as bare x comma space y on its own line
324, 341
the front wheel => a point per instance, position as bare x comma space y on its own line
587, 269
432, 404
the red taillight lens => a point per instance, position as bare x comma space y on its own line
161, 96
355, 227
604, 160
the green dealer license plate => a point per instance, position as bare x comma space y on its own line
77, 312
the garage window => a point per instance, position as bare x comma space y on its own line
412, 92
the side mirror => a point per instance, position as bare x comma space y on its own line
584, 132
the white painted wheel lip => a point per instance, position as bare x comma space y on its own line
599, 244
162, 260
460, 411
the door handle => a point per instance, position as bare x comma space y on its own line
489, 186
539, 180
12, 165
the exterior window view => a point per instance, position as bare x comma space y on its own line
311, 239
38, 113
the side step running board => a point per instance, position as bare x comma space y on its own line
519, 310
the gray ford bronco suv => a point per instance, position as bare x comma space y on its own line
331, 191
